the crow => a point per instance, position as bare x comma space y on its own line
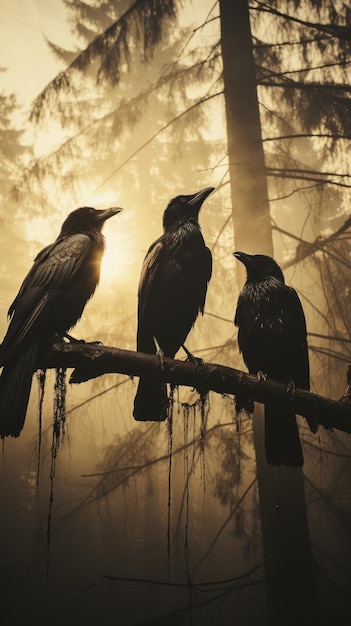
272, 338
50, 301
172, 292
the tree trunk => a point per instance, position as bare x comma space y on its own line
289, 565
252, 226
289, 568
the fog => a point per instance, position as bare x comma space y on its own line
105, 519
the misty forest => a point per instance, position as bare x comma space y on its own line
110, 520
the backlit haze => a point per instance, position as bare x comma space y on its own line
164, 520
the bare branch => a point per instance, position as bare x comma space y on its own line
333, 30
309, 136
306, 248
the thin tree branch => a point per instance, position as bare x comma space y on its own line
309, 136
334, 30
330, 337
306, 248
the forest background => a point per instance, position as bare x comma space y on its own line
130, 103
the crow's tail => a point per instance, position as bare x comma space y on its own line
150, 402
15, 386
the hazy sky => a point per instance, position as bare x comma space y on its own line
24, 24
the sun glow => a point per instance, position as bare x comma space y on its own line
116, 262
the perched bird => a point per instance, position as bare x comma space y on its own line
172, 292
272, 339
51, 300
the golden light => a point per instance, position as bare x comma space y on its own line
118, 257
113, 262
116, 262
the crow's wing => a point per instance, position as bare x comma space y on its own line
53, 268
206, 270
160, 268
150, 267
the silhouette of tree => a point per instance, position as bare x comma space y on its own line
14, 155
295, 167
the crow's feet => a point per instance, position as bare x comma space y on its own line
161, 356
160, 353
71, 339
192, 358
261, 376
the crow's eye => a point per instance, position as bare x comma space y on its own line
183, 199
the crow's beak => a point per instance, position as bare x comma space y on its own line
243, 257
198, 198
105, 214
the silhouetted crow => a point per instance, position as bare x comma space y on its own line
172, 292
272, 339
50, 301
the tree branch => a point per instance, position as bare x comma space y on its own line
306, 248
93, 360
